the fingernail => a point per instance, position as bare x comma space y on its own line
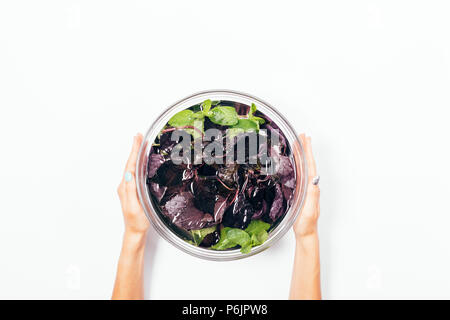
128, 176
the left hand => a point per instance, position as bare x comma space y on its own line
306, 223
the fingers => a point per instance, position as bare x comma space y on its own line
131, 163
306, 141
128, 180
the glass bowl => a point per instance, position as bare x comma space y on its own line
299, 166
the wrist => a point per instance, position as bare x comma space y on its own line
305, 239
134, 239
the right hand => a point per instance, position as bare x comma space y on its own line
133, 213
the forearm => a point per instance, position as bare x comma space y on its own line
305, 282
130, 269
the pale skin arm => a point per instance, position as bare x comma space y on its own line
129, 278
305, 283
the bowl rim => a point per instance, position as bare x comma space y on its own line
277, 233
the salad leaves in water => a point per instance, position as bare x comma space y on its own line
220, 206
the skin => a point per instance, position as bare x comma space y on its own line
305, 283
129, 279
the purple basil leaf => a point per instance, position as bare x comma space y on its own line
239, 214
169, 174
219, 209
166, 143
154, 162
182, 212
286, 171
262, 211
204, 194
287, 194
157, 190
277, 208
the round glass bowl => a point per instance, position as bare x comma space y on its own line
299, 166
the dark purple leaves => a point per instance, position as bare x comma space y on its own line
219, 209
169, 174
204, 194
182, 212
157, 190
286, 171
277, 208
226, 174
261, 212
239, 214
154, 162
287, 194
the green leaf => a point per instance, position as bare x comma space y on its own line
233, 132
254, 235
206, 106
199, 124
198, 115
260, 120
238, 236
252, 109
231, 237
224, 116
246, 248
247, 125
257, 229
243, 125
200, 234
182, 118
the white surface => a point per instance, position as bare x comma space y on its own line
369, 80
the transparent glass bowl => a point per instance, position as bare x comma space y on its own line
299, 165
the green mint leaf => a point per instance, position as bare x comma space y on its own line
251, 115
224, 243
247, 248
200, 234
254, 235
206, 106
247, 125
243, 125
199, 125
233, 132
260, 120
257, 229
198, 115
256, 226
252, 110
238, 236
231, 237
182, 118
224, 116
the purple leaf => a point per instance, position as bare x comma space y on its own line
182, 212
261, 212
277, 208
154, 162
219, 209
286, 172
287, 194
239, 214
284, 167
157, 190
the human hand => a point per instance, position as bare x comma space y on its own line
133, 213
306, 223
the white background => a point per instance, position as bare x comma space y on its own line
368, 80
